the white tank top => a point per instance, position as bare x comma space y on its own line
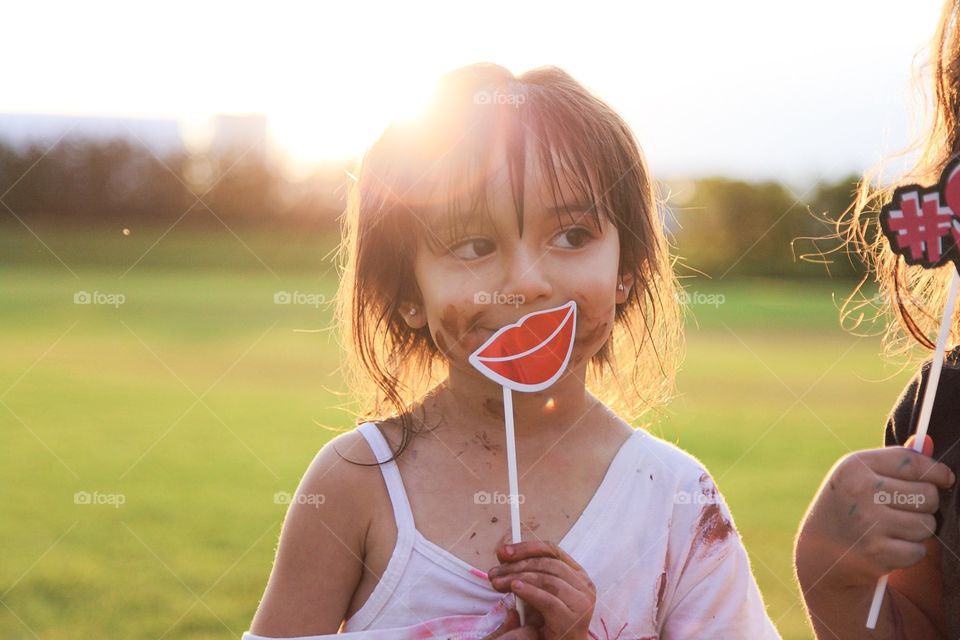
651, 539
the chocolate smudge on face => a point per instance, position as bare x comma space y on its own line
450, 321
586, 340
594, 334
473, 337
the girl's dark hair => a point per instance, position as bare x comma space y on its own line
910, 298
583, 147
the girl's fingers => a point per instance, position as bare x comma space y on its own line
548, 579
904, 495
533, 617
927, 444
897, 554
912, 527
906, 464
551, 566
552, 607
567, 595
533, 548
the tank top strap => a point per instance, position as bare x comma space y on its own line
402, 512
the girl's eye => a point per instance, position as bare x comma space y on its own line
462, 250
475, 248
582, 233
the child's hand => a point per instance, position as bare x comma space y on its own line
870, 517
550, 581
511, 629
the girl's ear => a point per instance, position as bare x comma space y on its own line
413, 315
623, 287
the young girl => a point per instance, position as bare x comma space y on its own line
856, 531
510, 195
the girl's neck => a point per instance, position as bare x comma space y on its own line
471, 402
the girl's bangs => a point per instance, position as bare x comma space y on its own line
454, 191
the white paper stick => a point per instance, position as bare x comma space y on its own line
512, 479
933, 380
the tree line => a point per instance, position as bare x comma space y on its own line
720, 226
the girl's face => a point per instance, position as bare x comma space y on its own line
485, 278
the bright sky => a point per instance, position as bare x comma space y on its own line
752, 89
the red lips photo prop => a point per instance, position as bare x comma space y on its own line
532, 353
529, 355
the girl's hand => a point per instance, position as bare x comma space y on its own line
545, 576
871, 516
511, 629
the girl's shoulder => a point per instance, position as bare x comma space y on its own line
349, 446
677, 486
679, 467
321, 553
342, 476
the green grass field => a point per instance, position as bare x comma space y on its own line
198, 398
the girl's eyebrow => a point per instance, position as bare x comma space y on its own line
475, 217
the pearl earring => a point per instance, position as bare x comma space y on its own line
413, 311
620, 287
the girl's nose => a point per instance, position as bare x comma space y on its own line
525, 278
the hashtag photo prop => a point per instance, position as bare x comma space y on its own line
922, 224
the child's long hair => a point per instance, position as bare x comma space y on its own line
912, 297
447, 153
